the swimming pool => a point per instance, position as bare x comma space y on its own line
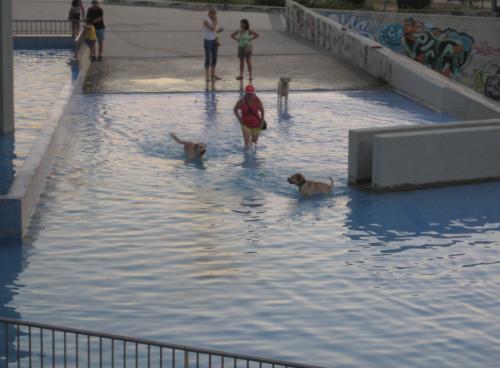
130, 238
39, 76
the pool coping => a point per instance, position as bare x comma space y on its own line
17, 206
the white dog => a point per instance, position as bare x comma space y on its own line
283, 89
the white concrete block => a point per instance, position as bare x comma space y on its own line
361, 144
435, 157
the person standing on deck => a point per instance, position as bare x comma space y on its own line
96, 15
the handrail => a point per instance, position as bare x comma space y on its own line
137, 341
41, 27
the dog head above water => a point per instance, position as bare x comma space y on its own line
297, 179
200, 149
284, 81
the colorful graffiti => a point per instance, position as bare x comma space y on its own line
453, 53
390, 35
446, 51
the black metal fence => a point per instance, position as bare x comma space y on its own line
28, 344
42, 27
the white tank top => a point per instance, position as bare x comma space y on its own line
208, 34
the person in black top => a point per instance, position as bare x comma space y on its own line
96, 15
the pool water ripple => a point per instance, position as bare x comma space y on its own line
130, 238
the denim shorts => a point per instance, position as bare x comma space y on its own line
101, 34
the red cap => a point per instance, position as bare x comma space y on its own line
249, 90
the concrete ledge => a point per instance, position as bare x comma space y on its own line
360, 155
43, 42
435, 157
17, 206
196, 6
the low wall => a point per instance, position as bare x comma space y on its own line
17, 206
360, 156
435, 157
464, 48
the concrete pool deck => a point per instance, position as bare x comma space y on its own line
160, 50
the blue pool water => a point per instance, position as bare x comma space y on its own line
129, 238
38, 79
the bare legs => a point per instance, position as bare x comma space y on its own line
75, 28
242, 66
248, 59
249, 66
101, 47
248, 138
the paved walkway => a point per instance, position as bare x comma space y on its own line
160, 50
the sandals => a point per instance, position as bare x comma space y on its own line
216, 77
239, 77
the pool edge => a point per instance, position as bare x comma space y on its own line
17, 206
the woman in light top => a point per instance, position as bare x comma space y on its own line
244, 36
210, 43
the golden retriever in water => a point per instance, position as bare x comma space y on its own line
307, 188
193, 150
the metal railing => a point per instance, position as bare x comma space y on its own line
36, 344
42, 27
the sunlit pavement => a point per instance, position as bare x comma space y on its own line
160, 50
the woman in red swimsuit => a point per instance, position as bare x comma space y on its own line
250, 114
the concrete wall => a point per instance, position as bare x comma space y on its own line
411, 77
361, 144
17, 206
435, 157
466, 49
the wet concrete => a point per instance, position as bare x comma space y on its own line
161, 50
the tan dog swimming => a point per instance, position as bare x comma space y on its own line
308, 188
193, 150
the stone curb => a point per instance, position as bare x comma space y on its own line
196, 6
17, 206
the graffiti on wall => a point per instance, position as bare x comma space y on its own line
446, 51
390, 35
451, 52
360, 24
483, 48
491, 79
